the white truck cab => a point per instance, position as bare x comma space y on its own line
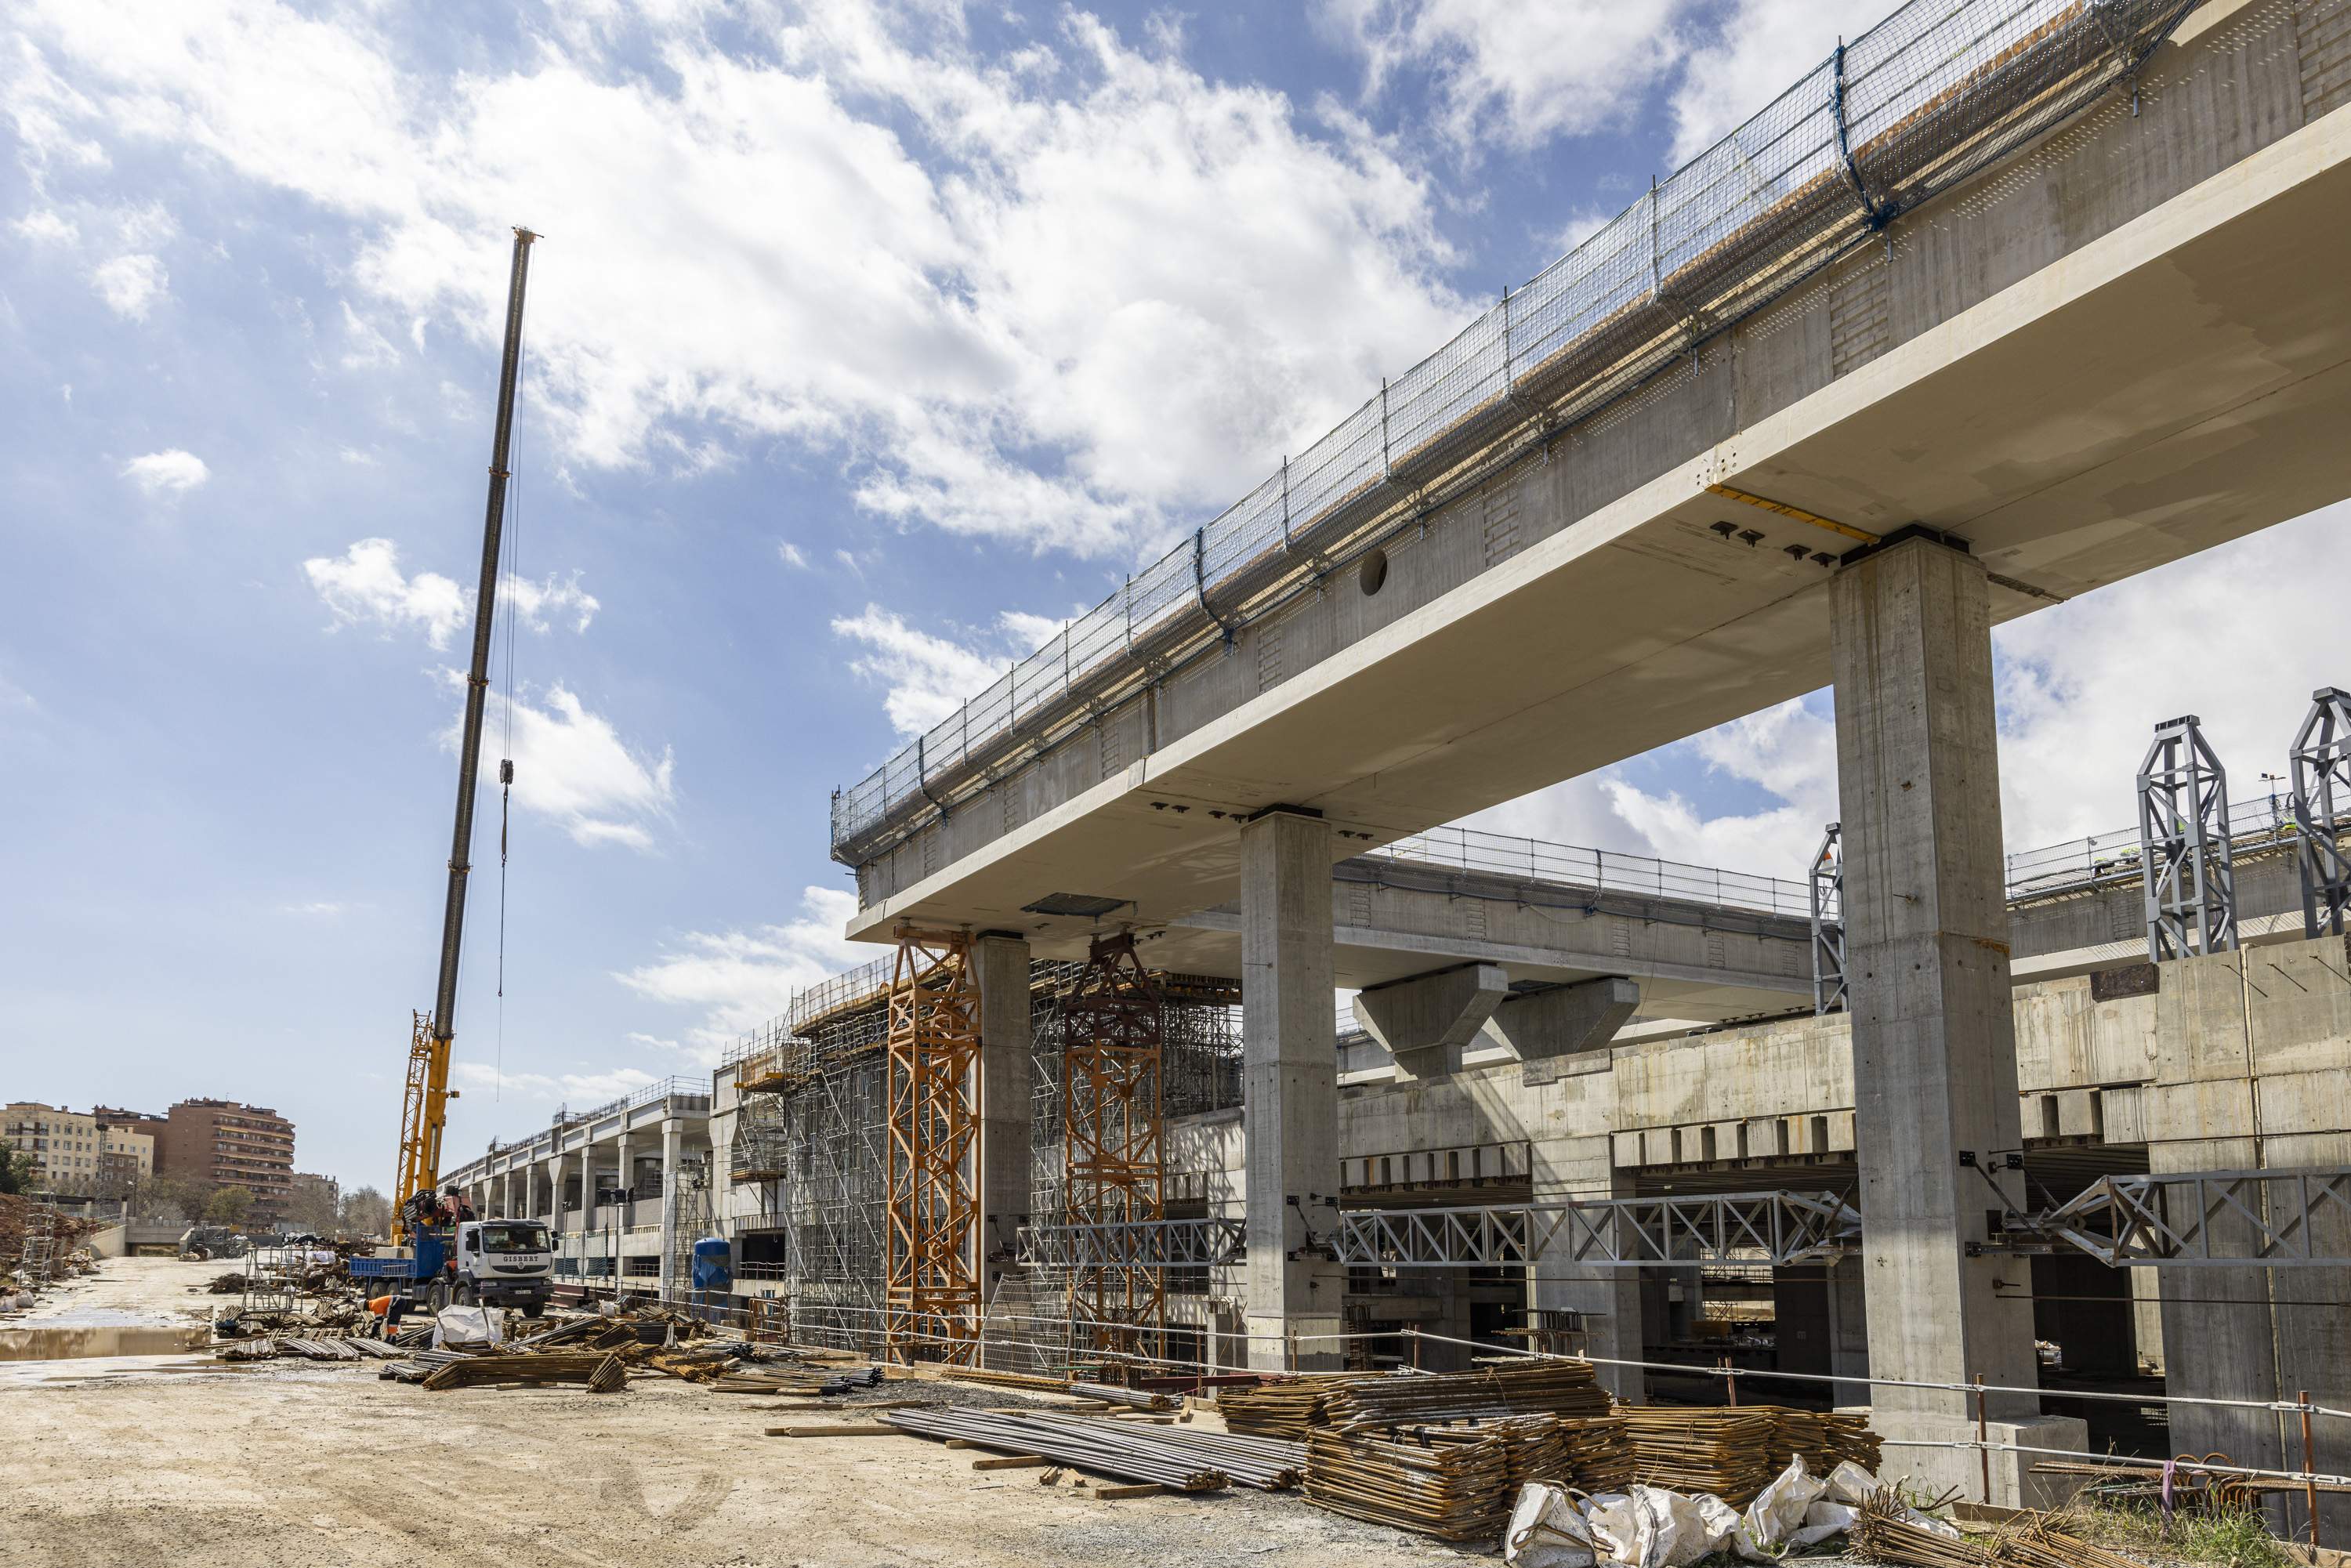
503, 1264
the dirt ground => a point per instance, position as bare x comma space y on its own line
128, 1463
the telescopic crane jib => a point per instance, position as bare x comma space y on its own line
424, 1106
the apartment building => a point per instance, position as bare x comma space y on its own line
223, 1142
65, 1144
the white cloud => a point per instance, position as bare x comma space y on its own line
2077, 709
47, 227
572, 767
930, 677
994, 337
365, 348
1757, 51
317, 909
359, 459
131, 285
364, 586
13, 695
1517, 74
740, 980
168, 472
535, 601
575, 1090
790, 554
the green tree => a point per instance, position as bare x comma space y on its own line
167, 1200
365, 1212
228, 1205
16, 1170
311, 1210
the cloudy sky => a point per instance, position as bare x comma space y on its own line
867, 343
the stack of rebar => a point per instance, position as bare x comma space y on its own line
1492, 1393
1120, 1450
1726, 1452
1288, 1409
1450, 1482
1885, 1534
1823, 1438
1134, 1399
1262, 1464
1596, 1455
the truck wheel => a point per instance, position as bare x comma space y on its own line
436, 1295
534, 1309
467, 1296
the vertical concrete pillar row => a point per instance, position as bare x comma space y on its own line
673, 1207
1001, 961
1926, 920
1290, 1075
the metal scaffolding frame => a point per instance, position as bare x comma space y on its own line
2319, 767
1114, 1159
1827, 881
2183, 827
1780, 1227
931, 1288
2269, 1218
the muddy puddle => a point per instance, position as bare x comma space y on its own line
79, 1343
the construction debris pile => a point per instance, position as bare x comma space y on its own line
40, 1247
1889, 1530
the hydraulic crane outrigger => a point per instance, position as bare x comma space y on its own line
425, 1105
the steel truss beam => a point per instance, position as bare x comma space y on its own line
2272, 1218
2184, 844
931, 1293
1828, 881
2320, 768
1157, 1244
1114, 1169
1631, 1232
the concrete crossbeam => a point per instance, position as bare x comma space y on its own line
1426, 1021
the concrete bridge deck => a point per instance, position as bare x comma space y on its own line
2131, 344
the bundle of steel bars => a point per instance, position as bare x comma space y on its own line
1117, 1450
1595, 1454
1726, 1452
1824, 1439
1529, 1388
1288, 1409
1450, 1482
1883, 1534
1110, 1394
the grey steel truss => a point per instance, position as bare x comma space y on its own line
1828, 922
1628, 1232
2183, 831
2320, 766
2272, 1218
1143, 1244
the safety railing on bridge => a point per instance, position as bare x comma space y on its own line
2082, 865
1603, 870
1927, 99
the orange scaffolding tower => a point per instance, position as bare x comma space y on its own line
931, 1293
1113, 1166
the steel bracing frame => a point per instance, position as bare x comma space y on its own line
1153, 1245
2271, 1218
2183, 831
2320, 769
931, 1289
1114, 1169
1775, 1227
1828, 881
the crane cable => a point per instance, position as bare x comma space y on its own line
506, 762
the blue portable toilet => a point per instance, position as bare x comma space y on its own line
713, 1264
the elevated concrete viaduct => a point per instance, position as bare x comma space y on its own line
2128, 342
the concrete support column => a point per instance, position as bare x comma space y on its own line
673, 1210
1934, 1041
1000, 961
1290, 1086
627, 1176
